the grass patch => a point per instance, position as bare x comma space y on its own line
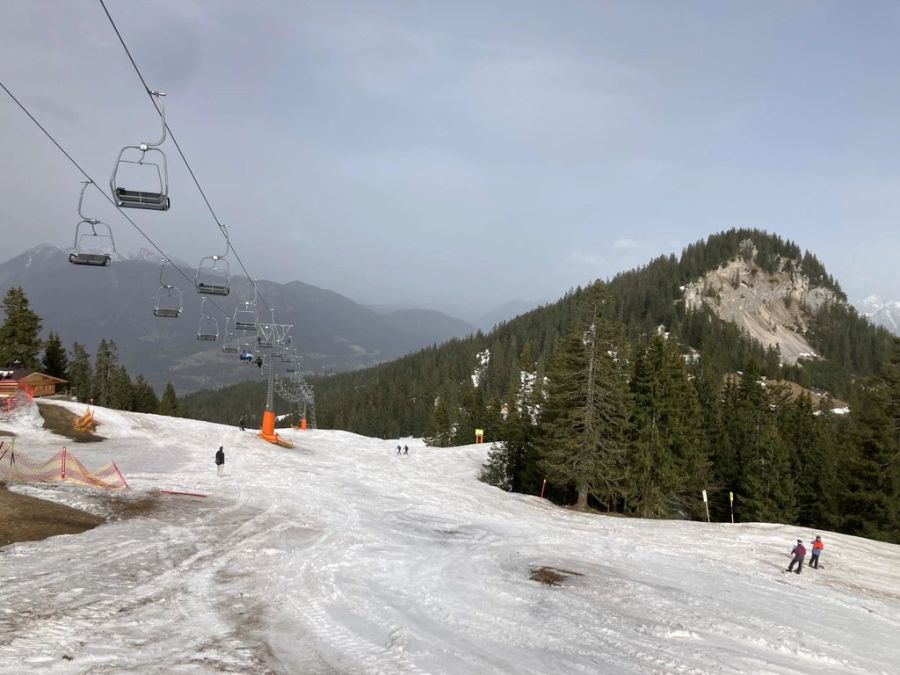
60, 421
552, 576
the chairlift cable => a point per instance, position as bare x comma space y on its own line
149, 93
101, 191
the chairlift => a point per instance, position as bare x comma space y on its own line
245, 316
95, 246
230, 348
208, 329
144, 199
168, 297
212, 272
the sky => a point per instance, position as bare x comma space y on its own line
339, 556
388, 150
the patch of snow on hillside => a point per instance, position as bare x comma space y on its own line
482, 359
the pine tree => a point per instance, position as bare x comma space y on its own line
120, 389
80, 381
668, 467
143, 398
105, 362
55, 361
168, 404
583, 439
19, 334
438, 430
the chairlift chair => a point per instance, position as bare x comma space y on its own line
143, 199
95, 247
230, 347
208, 328
245, 315
212, 273
168, 298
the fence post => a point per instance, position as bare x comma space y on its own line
706, 504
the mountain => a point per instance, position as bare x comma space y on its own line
882, 312
509, 310
87, 304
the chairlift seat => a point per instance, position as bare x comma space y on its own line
207, 337
212, 289
245, 325
137, 199
169, 312
229, 349
95, 259
264, 344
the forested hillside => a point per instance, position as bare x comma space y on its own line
626, 401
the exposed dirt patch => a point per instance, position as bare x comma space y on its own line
552, 576
24, 518
60, 421
8, 434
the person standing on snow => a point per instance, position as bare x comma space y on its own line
220, 461
241, 422
398, 449
817, 547
799, 552
405, 449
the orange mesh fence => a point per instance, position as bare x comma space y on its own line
62, 467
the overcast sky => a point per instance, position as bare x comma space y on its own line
457, 155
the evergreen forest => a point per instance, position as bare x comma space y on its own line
624, 401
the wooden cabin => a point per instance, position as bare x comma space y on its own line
39, 384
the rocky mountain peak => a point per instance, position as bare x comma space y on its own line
774, 307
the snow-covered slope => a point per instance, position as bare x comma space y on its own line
882, 312
341, 557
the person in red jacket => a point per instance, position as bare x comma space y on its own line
817, 547
799, 552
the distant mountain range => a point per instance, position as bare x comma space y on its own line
881, 312
87, 304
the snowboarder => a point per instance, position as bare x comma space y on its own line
220, 461
398, 449
405, 449
259, 362
799, 552
241, 422
817, 547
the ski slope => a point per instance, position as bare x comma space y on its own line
341, 557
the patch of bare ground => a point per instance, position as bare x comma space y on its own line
60, 421
26, 518
552, 576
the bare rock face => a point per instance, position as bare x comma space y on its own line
773, 308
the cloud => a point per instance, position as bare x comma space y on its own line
51, 107
586, 258
626, 244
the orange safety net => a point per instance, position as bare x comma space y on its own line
62, 467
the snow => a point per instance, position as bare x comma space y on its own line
339, 556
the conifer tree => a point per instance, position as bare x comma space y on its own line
120, 389
168, 404
438, 429
55, 361
667, 467
583, 440
105, 362
19, 333
143, 398
80, 381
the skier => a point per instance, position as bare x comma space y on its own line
817, 547
220, 461
241, 422
398, 449
259, 362
405, 449
799, 552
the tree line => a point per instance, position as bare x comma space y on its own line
105, 382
